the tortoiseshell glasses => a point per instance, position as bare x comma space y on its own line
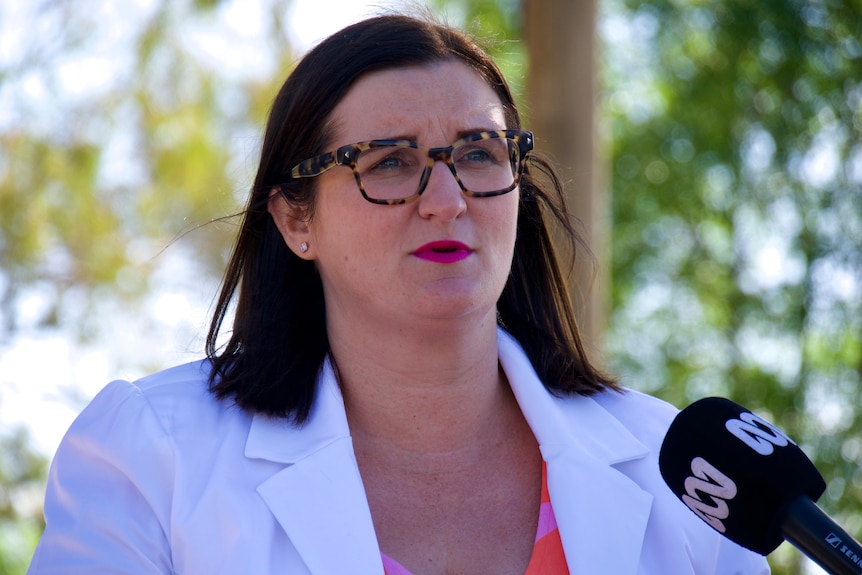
396, 171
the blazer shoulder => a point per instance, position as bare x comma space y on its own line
178, 398
645, 416
186, 376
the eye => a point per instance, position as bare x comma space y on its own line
387, 161
476, 155
390, 162
483, 152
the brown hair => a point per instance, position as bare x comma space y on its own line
271, 361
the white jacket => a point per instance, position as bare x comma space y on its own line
157, 476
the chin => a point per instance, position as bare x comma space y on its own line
455, 308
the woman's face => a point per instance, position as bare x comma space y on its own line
377, 262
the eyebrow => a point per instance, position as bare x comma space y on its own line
459, 134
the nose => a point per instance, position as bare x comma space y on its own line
442, 196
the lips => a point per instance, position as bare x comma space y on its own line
443, 252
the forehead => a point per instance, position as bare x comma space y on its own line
430, 102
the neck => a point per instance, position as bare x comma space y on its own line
431, 392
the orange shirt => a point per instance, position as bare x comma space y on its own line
547, 558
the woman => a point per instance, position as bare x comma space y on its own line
404, 389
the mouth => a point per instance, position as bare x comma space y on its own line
444, 252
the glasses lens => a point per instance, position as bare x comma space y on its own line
391, 172
394, 172
487, 165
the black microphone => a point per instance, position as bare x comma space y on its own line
753, 484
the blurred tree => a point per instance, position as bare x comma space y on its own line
120, 132
113, 147
22, 475
560, 37
734, 129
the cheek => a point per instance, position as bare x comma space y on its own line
349, 237
499, 225
507, 221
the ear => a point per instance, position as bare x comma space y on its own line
292, 223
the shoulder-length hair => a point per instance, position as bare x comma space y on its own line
273, 356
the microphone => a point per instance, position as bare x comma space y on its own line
753, 484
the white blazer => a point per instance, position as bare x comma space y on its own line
157, 476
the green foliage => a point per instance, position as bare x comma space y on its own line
22, 472
93, 188
496, 25
118, 148
735, 133
734, 129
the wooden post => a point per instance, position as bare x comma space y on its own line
561, 93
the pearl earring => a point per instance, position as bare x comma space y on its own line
303, 247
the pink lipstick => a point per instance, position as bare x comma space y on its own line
443, 252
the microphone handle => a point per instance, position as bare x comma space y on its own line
809, 529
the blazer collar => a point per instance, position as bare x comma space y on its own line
318, 499
282, 441
581, 443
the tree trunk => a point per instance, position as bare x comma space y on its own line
560, 37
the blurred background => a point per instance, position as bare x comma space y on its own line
712, 149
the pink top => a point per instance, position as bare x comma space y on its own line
548, 557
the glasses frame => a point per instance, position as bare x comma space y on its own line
348, 155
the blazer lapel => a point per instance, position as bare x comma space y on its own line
318, 499
602, 514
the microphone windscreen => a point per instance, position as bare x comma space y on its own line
736, 471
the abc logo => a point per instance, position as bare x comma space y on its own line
708, 490
757, 433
